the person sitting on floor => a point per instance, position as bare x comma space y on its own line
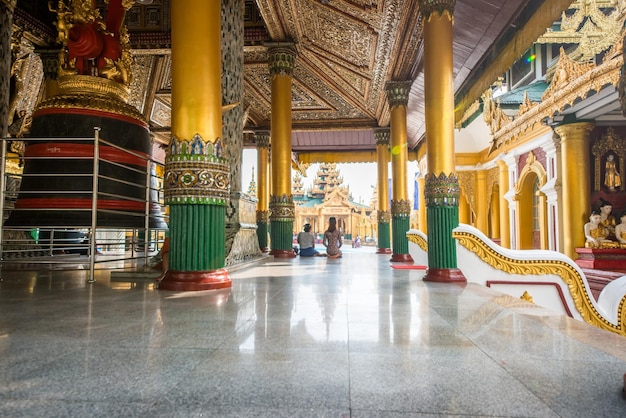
306, 240
332, 239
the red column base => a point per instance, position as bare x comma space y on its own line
283, 253
445, 276
383, 251
401, 258
195, 280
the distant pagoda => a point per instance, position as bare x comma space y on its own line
326, 180
297, 187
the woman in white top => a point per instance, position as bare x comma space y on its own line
306, 240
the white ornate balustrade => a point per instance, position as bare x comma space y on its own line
547, 278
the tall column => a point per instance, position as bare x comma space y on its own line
6, 24
482, 202
262, 207
384, 217
398, 97
281, 62
196, 171
576, 183
442, 183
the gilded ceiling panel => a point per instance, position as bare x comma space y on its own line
338, 35
139, 85
161, 113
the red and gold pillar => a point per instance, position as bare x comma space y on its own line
398, 97
442, 183
262, 207
281, 63
384, 218
196, 171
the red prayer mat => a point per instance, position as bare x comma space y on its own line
408, 267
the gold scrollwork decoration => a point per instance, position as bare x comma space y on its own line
282, 208
401, 208
196, 179
91, 102
575, 282
262, 216
383, 216
419, 240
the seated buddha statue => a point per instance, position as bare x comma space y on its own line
596, 233
620, 231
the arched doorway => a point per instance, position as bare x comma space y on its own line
531, 222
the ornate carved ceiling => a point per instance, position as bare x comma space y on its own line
347, 51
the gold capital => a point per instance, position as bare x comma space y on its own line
262, 139
382, 136
428, 7
281, 58
398, 92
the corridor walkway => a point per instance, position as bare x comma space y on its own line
296, 338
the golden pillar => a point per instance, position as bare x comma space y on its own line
398, 97
494, 220
482, 202
442, 183
505, 222
465, 211
262, 206
421, 181
282, 57
383, 245
576, 183
197, 208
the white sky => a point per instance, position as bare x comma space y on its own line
359, 177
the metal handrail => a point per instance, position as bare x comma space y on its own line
93, 244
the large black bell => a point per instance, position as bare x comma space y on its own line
57, 183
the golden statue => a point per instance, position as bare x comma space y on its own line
596, 233
620, 231
612, 179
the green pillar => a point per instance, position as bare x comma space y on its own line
197, 174
398, 97
382, 136
442, 184
262, 208
282, 57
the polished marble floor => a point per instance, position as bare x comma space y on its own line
296, 338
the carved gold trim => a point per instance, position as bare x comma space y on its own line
84, 101
401, 208
383, 216
419, 240
574, 81
527, 297
263, 216
85, 84
575, 282
589, 27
